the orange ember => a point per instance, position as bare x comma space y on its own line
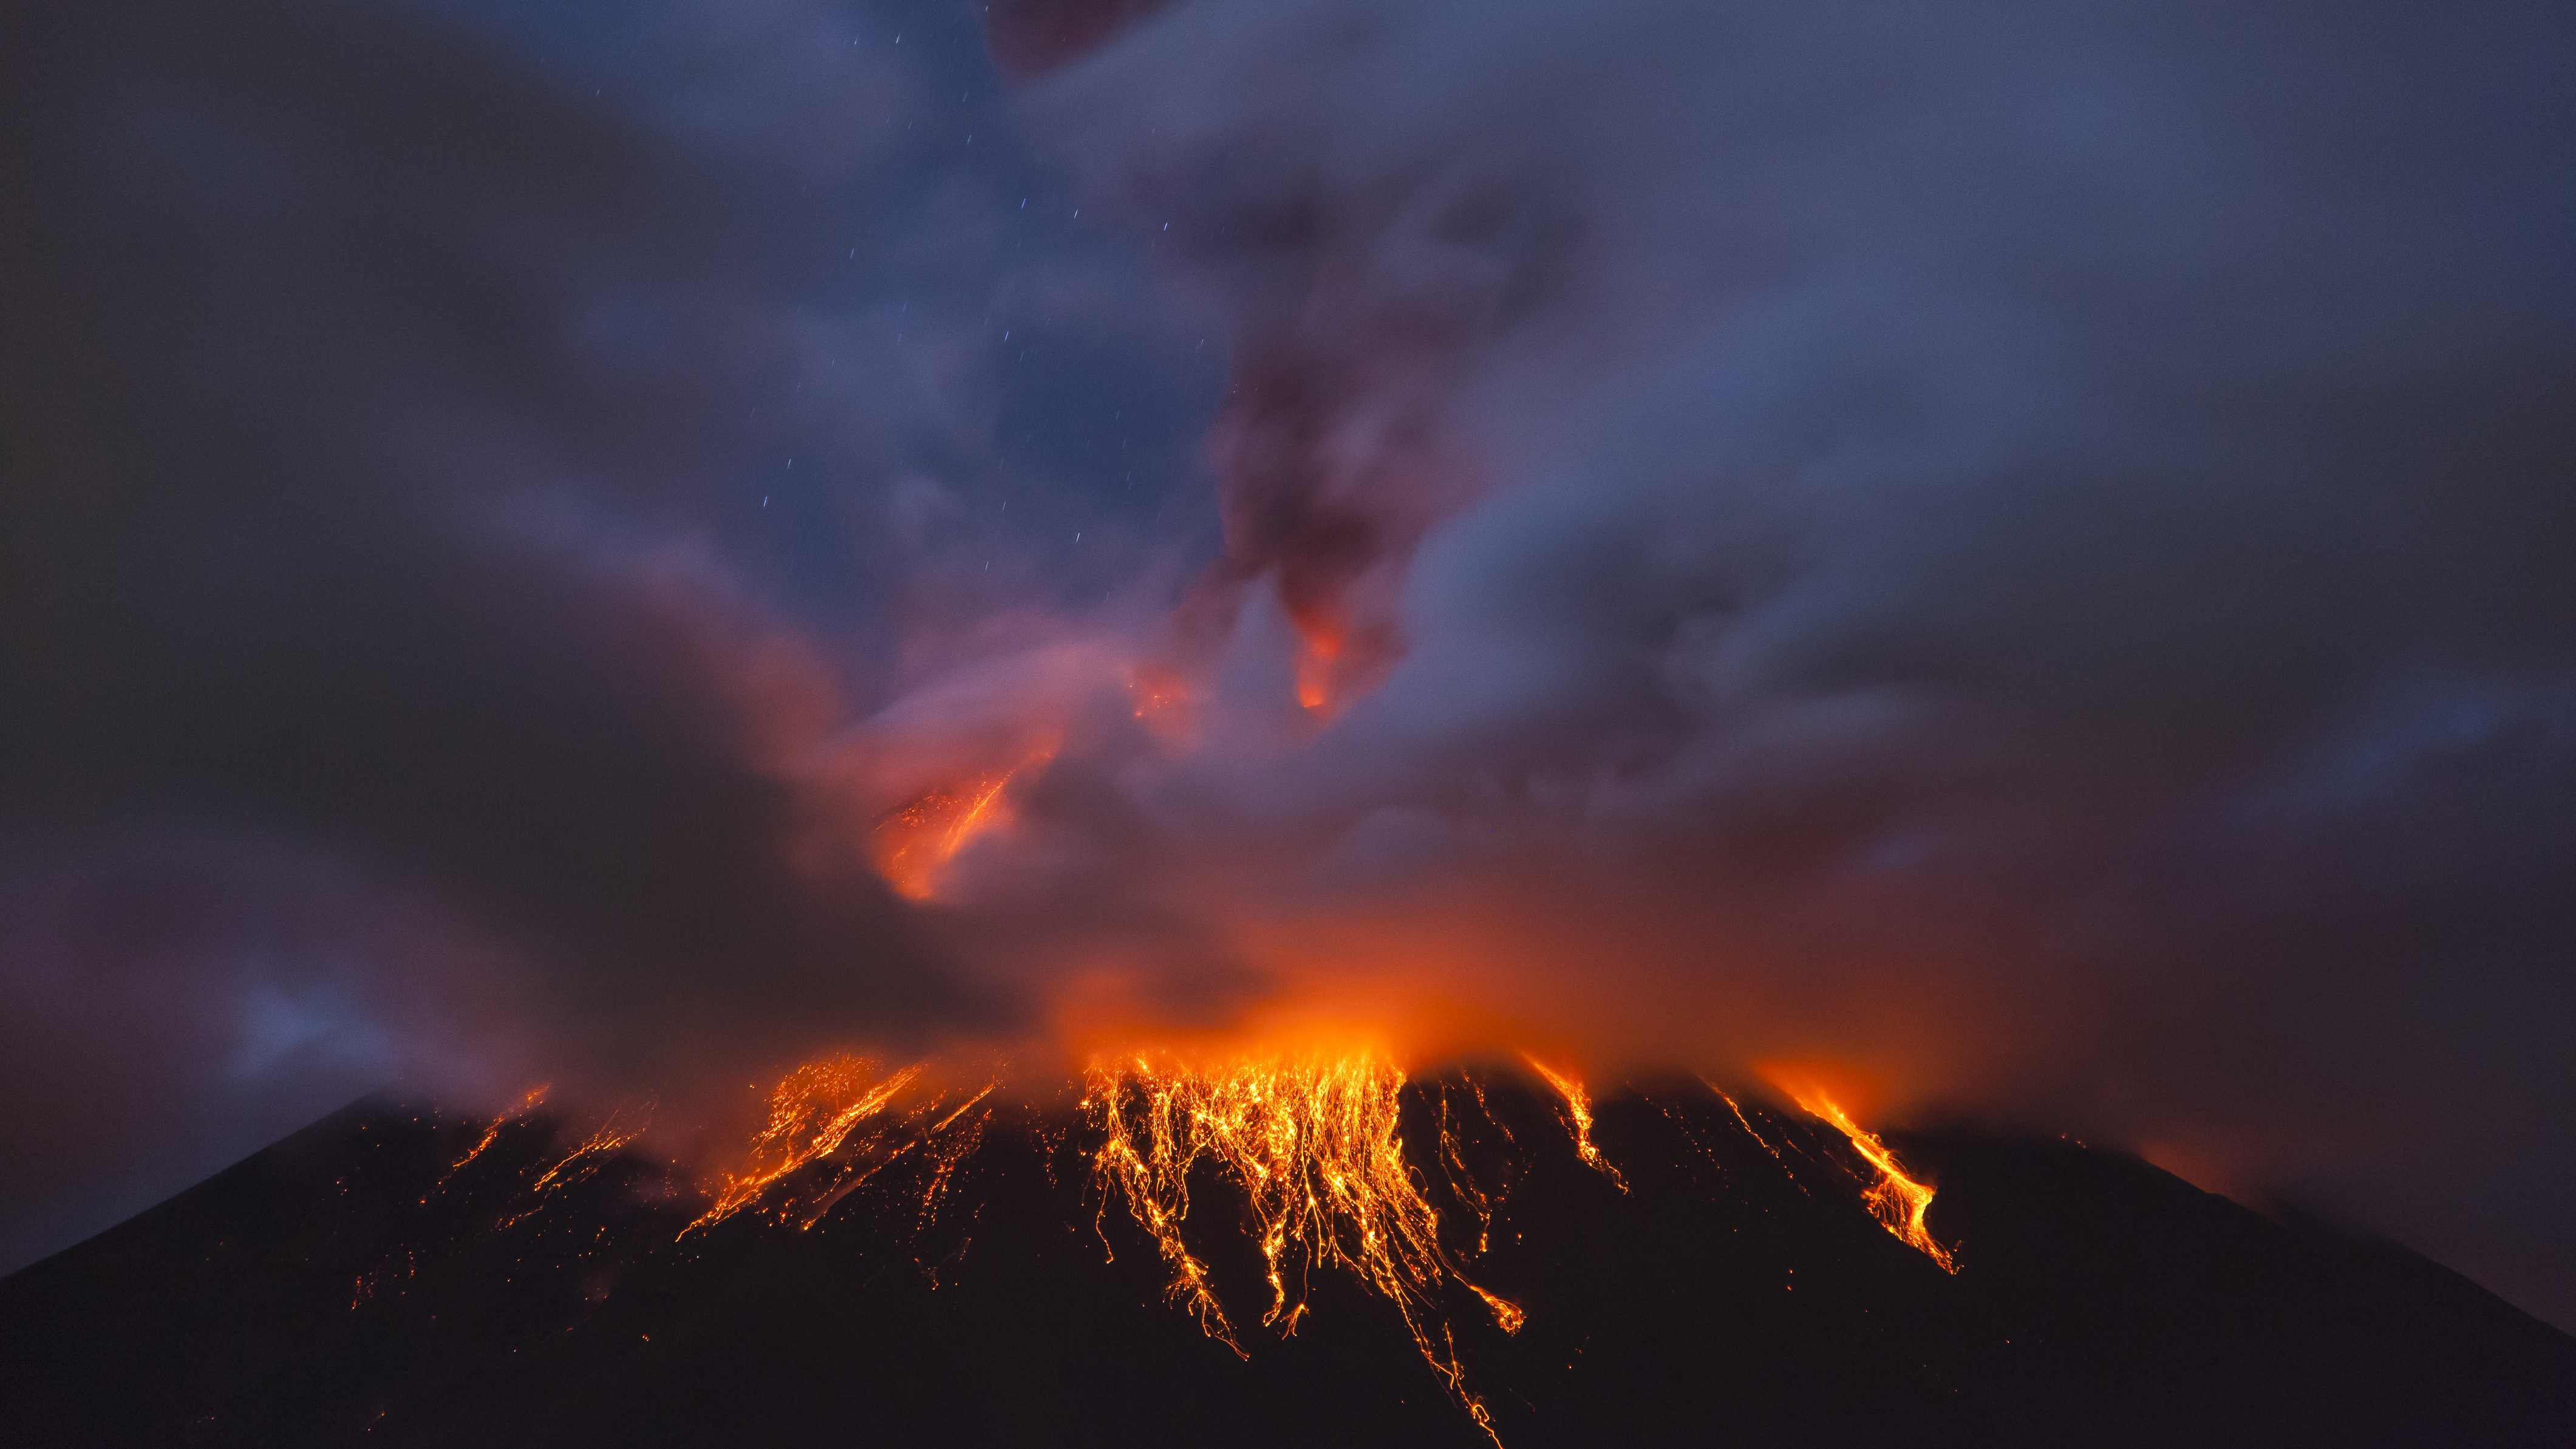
1315, 667
1159, 691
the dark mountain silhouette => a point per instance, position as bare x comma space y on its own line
349, 1285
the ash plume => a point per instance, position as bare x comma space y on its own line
467, 471
2025, 549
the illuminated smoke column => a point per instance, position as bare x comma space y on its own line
2007, 550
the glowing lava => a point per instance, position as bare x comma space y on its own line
841, 1114
535, 1097
1896, 1200
1311, 1140
1578, 1119
914, 842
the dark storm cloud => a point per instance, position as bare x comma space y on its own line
422, 656
2029, 545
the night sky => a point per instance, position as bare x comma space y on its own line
2026, 552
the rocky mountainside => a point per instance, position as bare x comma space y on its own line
354, 1284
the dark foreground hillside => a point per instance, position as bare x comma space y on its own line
334, 1289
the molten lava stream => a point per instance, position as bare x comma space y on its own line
845, 1118
1578, 1120
1895, 1199
527, 1104
1311, 1140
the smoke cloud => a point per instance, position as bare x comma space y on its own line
2024, 550
468, 473
2021, 552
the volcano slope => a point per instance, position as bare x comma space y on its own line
354, 1283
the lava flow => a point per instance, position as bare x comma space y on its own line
527, 1104
1895, 1199
1311, 1140
915, 841
840, 1113
1578, 1120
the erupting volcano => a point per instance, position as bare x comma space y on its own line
1305, 722
1431, 1258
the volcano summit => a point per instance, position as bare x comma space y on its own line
979, 1274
